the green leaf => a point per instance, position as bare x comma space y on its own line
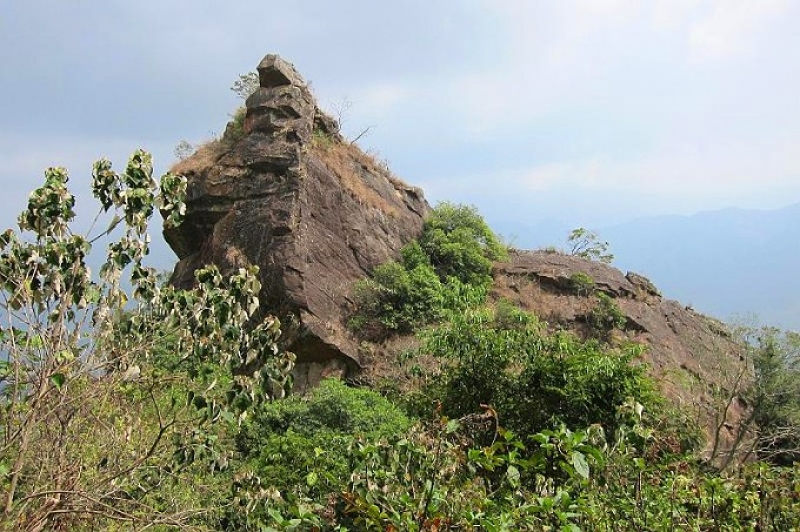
311, 479
513, 476
58, 380
452, 426
580, 464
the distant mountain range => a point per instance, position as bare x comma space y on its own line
731, 263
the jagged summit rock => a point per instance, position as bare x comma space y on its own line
290, 195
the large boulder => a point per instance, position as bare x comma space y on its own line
284, 191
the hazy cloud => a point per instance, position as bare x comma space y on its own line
613, 107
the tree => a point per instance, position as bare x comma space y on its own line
460, 244
246, 85
774, 395
107, 396
587, 244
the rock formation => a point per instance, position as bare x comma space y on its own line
284, 191
692, 356
290, 195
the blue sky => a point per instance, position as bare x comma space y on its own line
579, 112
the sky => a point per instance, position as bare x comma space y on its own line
572, 113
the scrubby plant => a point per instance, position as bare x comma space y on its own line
605, 317
448, 269
587, 244
299, 446
534, 380
89, 429
460, 244
234, 131
397, 299
581, 284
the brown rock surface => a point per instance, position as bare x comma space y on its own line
294, 198
692, 356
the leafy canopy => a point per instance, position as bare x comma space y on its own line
88, 414
587, 244
447, 269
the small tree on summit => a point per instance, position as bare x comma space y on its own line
587, 244
246, 85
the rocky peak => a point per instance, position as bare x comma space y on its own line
291, 196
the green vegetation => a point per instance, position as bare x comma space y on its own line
460, 245
581, 283
164, 409
111, 401
246, 85
235, 128
587, 244
774, 394
605, 317
533, 380
448, 269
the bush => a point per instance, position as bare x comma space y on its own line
449, 269
397, 300
234, 131
299, 446
577, 384
582, 284
460, 244
605, 317
535, 381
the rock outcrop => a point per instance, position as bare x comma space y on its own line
284, 191
692, 356
287, 193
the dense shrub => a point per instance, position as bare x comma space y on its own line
605, 317
398, 298
534, 380
449, 269
582, 284
460, 244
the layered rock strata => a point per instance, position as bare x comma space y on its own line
287, 193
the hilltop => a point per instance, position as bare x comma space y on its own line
477, 387
289, 194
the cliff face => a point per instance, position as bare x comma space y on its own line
291, 196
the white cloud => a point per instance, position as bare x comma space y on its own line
683, 177
733, 27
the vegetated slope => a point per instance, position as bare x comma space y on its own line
727, 263
689, 354
285, 192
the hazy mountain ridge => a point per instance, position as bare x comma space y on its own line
729, 263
